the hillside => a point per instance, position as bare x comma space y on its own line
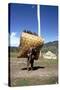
52, 46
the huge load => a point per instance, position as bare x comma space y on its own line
28, 40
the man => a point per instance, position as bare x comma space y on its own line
31, 57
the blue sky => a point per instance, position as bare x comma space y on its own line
49, 22
23, 16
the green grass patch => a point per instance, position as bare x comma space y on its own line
46, 62
34, 81
13, 54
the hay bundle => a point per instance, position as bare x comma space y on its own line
28, 40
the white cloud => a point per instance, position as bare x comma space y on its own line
14, 40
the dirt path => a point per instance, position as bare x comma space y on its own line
41, 69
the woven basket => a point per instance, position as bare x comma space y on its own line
28, 40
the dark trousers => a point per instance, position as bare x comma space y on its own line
30, 61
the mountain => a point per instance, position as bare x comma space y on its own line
51, 46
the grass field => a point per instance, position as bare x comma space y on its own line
45, 71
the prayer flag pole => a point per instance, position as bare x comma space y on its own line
38, 18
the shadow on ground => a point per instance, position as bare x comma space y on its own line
34, 68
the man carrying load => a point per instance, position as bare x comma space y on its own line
30, 46
30, 57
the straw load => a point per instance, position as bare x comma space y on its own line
28, 40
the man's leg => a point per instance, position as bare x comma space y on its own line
28, 64
32, 62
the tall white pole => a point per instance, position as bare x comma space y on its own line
38, 18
